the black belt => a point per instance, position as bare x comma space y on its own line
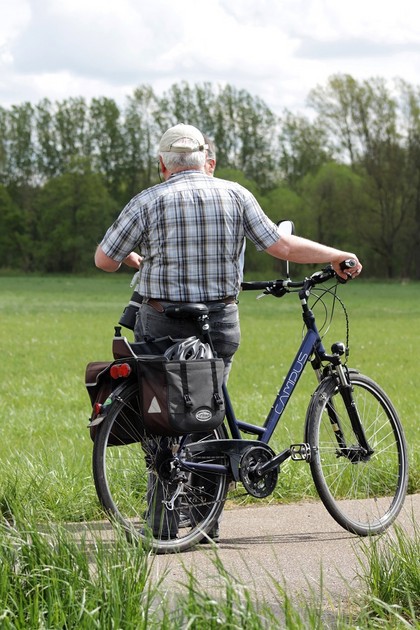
158, 306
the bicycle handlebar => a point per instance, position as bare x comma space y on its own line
280, 287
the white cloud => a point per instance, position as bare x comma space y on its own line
276, 49
14, 16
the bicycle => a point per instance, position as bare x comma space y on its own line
353, 441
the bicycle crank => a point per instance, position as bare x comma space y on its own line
256, 484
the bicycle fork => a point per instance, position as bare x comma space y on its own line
355, 453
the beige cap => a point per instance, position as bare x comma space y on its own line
170, 140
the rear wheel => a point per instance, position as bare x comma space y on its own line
363, 493
142, 486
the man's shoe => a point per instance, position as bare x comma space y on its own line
184, 519
213, 536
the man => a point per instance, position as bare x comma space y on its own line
190, 230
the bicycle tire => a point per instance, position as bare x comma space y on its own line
364, 497
126, 476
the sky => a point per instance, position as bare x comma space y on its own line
277, 50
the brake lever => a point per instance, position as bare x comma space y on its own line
343, 280
277, 292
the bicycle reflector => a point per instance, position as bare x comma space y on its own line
120, 370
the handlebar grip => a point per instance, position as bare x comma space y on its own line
256, 286
347, 264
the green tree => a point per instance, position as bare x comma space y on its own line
72, 133
19, 134
74, 211
337, 107
140, 132
333, 201
410, 246
350, 175
3, 146
11, 231
245, 133
47, 146
107, 142
178, 105
282, 203
363, 119
303, 148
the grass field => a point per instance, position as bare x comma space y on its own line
51, 327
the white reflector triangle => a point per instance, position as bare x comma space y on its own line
154, 406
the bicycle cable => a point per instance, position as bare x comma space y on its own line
326, 325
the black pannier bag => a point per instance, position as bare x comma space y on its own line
100, 386
183, 396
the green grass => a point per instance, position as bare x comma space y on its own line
51, 579
392, 577
51, 327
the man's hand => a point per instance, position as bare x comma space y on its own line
133, 260
347, 272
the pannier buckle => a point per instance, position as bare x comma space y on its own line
187, 400
218, 399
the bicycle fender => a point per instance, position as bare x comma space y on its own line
105, 397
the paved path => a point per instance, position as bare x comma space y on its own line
298, 546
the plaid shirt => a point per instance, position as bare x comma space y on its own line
190, 231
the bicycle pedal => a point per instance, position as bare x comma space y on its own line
300, 452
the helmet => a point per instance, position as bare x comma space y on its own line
190, 348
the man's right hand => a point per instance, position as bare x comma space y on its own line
133, 260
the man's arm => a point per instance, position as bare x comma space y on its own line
104, 262
301, 250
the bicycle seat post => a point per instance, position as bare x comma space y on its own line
199, 313
203, 323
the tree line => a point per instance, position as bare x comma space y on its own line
348, 175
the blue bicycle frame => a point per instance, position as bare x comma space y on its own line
235, 446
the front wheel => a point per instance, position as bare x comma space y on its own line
142, 486
363, 492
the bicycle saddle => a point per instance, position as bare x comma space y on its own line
186, 311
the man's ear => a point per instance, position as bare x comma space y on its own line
162, 166
210, 166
